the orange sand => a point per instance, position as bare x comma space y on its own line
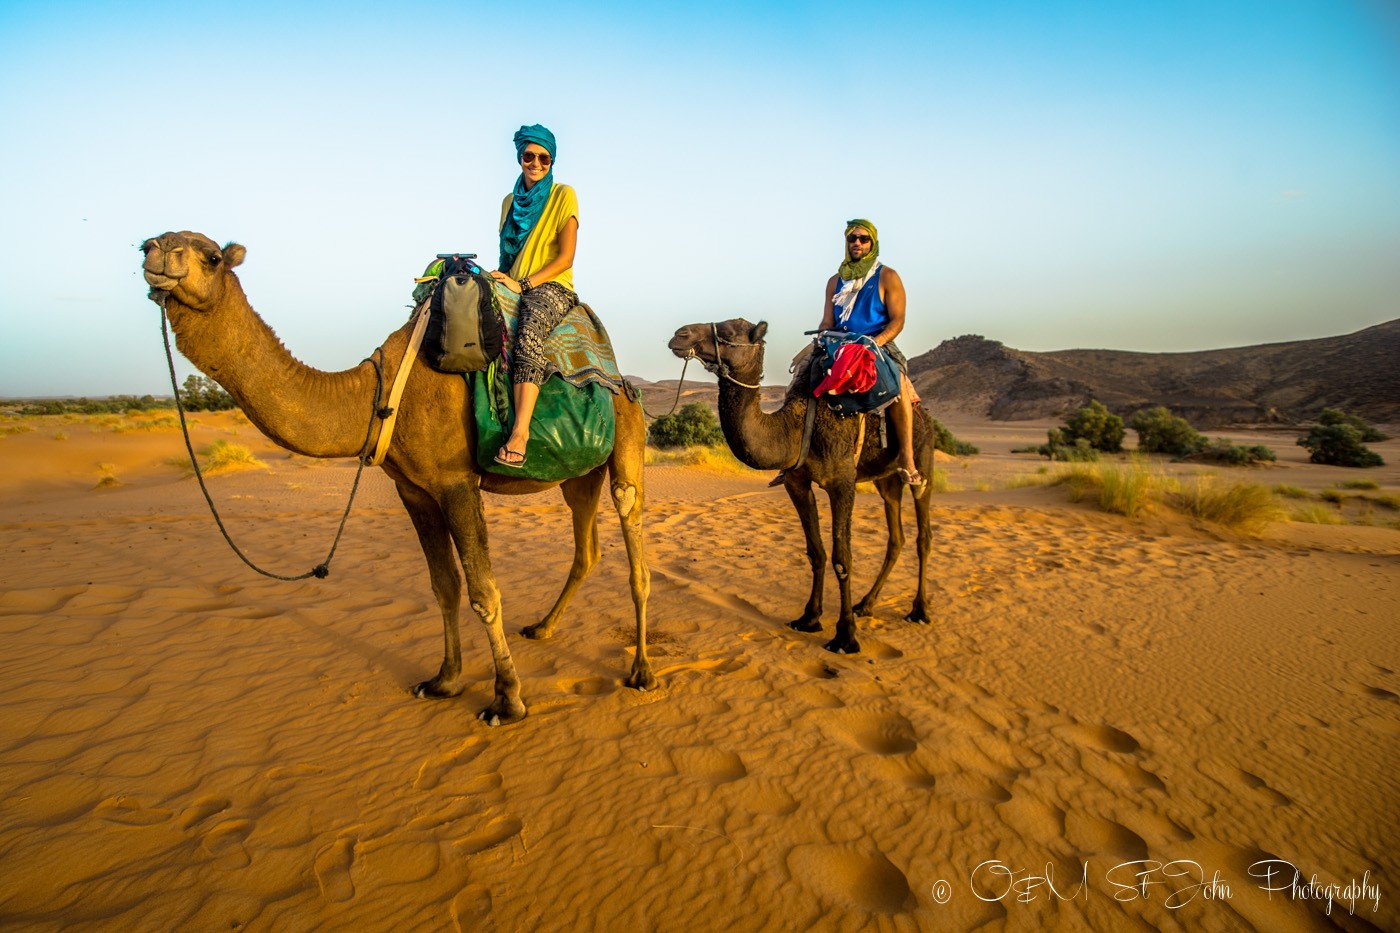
190, 746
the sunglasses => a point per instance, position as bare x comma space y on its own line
857, 238
528, 158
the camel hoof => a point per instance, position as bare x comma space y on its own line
918, 615
538, 631
805, 624
502, 713
641, 679
435, 690
838, 646
863, 610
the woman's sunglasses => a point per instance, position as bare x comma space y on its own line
528, 158
857, 238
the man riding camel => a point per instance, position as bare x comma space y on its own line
865, 296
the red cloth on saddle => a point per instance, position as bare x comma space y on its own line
853, 370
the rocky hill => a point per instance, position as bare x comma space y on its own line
1278, 382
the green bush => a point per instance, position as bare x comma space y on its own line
1097, 425
1058, 447
693, 426
1221, 450
1335, 416
1339, 445
1161, 432
944, 440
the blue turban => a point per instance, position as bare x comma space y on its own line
527, 204
534, 133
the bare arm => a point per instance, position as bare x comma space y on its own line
829, 308
892, 293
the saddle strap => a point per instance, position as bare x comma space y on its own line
386, 430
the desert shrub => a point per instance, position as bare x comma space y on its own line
115, 404
1333, 416
1386, 502
1057, 447
1241, 506
200, 393
60, 435
1333, 496
1097, 425
1161, 432
1032, 449
1339, 445
1222, 451
8, 429
1290, 492
944, 440
693, 426
1367, 484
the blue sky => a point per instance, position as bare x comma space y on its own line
1148, 176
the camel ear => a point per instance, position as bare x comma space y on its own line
234, 254
759, 329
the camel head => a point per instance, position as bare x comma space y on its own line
189, 267
734, 345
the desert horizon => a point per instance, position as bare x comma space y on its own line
1110, 722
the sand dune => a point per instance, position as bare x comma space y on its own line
189, 745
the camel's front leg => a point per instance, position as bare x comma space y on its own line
467, 519
842, 503
627, 499
922, 500
581, 494
892, 491
803, 499
436, 542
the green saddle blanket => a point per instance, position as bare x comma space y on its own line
571, 431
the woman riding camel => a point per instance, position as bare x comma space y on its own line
539, 233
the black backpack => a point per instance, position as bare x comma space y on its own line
465, 329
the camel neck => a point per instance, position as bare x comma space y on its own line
306, 410
758, 439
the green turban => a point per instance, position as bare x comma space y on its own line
851, 271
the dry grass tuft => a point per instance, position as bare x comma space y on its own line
1244, 507
1316, 515
1290, 492
1122, 490
223, 457
7, 429
713, 459
107, 476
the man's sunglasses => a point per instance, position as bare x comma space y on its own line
528, 158
857, 238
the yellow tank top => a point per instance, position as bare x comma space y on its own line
542, 245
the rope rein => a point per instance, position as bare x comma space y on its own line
323, 569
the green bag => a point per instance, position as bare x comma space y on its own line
571, 432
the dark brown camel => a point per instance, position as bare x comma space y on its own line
734, 349
431, 459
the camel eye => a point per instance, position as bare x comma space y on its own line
215, 259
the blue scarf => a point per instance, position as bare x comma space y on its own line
526, 205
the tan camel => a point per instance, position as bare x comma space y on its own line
734, 349
430, 460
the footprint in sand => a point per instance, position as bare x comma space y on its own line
1238, 779
705, 763
1105, 738
203, 808
878, 733
848, 877
333, 864
499, 830
432, 771
225, 842
129, 812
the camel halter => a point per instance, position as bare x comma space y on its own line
720, 367
323, 569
